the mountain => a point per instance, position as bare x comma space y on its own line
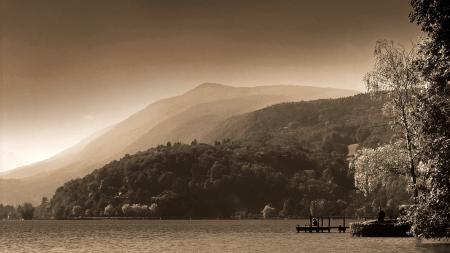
287, 154
181, 118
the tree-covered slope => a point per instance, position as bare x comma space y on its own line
201, 180
319, 124
290, 155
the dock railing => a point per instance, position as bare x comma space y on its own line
324, 223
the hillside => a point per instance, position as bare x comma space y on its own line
287, 154
356, 119
180, 118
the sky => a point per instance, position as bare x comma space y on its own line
71, 68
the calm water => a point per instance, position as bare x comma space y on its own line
190, 236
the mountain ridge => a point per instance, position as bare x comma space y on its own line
113, 143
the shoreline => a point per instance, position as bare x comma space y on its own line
184, 218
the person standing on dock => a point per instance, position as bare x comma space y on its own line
315, 222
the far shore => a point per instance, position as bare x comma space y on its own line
190, 218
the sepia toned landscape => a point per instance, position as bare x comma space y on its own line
225, 126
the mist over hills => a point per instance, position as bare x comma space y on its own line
192, 115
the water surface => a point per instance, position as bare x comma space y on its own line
190, 236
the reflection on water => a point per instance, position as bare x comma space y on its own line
190, 236
434, 246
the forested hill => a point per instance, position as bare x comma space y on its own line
321, 124
289, 155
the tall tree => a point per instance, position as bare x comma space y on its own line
395, 78
431, 217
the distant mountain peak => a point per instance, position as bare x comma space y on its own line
211, 85
206, 88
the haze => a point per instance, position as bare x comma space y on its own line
72, 68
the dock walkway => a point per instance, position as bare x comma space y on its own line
314, 225
310, 229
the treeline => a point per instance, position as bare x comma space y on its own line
220, 180
26, 211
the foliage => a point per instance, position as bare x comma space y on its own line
432, 17
431, 215
8, 212
77, 211
26, 211
43, 210
138, 210
109, 210
381, 175
374, 167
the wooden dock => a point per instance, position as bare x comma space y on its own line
310, 229
315, 226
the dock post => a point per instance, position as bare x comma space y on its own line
344, 220
310, 220
329, 221
321, 221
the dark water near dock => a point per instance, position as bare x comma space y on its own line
191, 236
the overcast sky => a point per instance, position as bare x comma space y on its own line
70, 68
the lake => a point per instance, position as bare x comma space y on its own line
191, 236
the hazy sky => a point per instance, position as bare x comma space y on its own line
70, 68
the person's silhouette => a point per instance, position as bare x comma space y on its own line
315, 222
381, 215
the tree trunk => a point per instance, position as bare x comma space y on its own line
412, 167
